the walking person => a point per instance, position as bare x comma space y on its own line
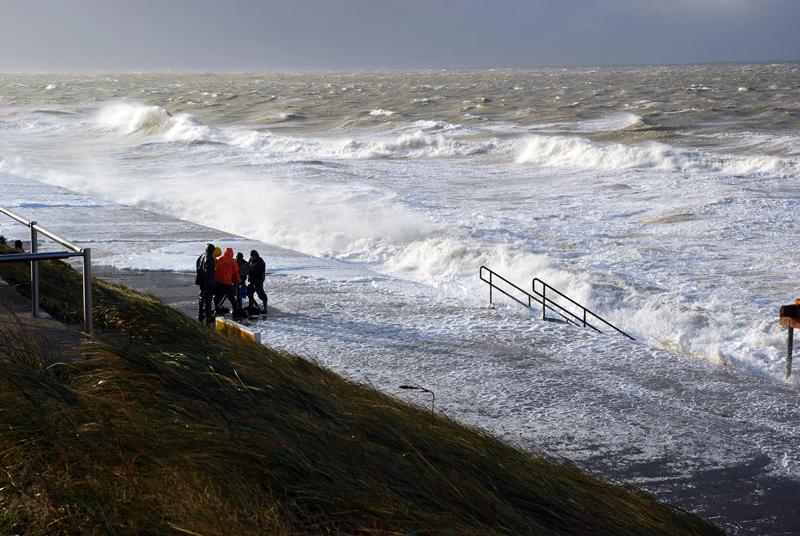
257, 272
241, 288
205, 279
227, 276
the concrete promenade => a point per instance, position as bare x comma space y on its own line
19, 327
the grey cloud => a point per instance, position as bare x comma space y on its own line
344, 34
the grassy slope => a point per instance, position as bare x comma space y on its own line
169, 427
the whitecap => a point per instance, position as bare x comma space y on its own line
580, 153
610, 123
130, 118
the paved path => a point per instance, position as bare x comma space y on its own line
18, 328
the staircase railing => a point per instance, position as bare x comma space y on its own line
587, 318
585, 312
523, 297
34, 257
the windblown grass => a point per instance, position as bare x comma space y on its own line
168, 427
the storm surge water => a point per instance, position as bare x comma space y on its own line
667, 209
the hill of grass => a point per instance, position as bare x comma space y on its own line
168, 427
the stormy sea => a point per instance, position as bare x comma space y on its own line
664, 198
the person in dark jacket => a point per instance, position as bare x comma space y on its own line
206, 265
241, 287
256, 272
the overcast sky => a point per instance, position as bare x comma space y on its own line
233, 35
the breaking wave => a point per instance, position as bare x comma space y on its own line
441, 139
574, 152
581, 153
416, 144
128, 119
758, 165
451, 261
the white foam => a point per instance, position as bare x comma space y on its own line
572, 152
452, 263
761, 164
414, 144
129, 118
580, 153
417, 144
422, 139
158, 260
618, 121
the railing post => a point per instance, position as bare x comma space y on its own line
490, 288
584, 317
87, 290
34, 271
544, 298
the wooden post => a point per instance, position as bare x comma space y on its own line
789, 344
790, 319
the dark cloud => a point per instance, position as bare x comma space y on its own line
342, 34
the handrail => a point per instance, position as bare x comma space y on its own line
548, 302
42, 230
545, 302
46, 256
531, 297
34, 257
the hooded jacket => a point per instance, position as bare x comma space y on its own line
244, 268
256, 268
227, 271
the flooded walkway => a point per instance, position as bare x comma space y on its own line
720, 442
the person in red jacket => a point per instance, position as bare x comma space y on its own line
226, 274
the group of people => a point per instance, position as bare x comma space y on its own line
222, 277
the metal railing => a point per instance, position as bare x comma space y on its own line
527, 296
547, 302
489, 276
34, 257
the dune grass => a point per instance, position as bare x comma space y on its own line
168, 427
